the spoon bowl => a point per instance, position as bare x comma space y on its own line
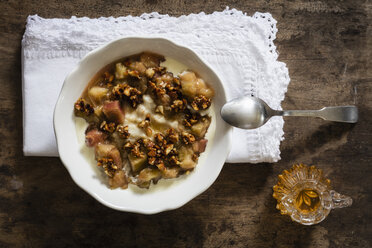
252, 112
246, 112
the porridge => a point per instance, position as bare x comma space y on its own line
145, 123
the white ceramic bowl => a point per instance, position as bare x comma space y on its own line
161, 197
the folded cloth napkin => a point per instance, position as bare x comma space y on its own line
239, 47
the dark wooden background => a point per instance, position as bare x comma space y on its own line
327, 48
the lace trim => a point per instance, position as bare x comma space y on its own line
39, 31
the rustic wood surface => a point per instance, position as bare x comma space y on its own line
327, 48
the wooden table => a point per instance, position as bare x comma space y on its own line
327, 48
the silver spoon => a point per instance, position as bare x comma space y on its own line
251, 112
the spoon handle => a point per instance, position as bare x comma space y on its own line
340, 113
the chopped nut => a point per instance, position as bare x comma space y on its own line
143, 124
125, 91
187, 138
108, 127
118, 90
123, 131
134, 148
174, 152
159, 138
140, 141
173, 160
174, 87
160, 153
179, 105
158, 91
191, 119
152, 153
82, 106
128, 145
200, 103
108, 165
148, 143
160, 166
168, 148
152, 160
160, 148
172, 135
175, 94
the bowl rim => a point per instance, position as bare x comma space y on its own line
87, 57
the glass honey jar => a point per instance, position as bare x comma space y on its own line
306, 195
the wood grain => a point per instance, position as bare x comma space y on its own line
327, 48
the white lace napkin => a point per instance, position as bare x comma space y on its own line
239, 47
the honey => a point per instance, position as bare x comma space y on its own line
307, 200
